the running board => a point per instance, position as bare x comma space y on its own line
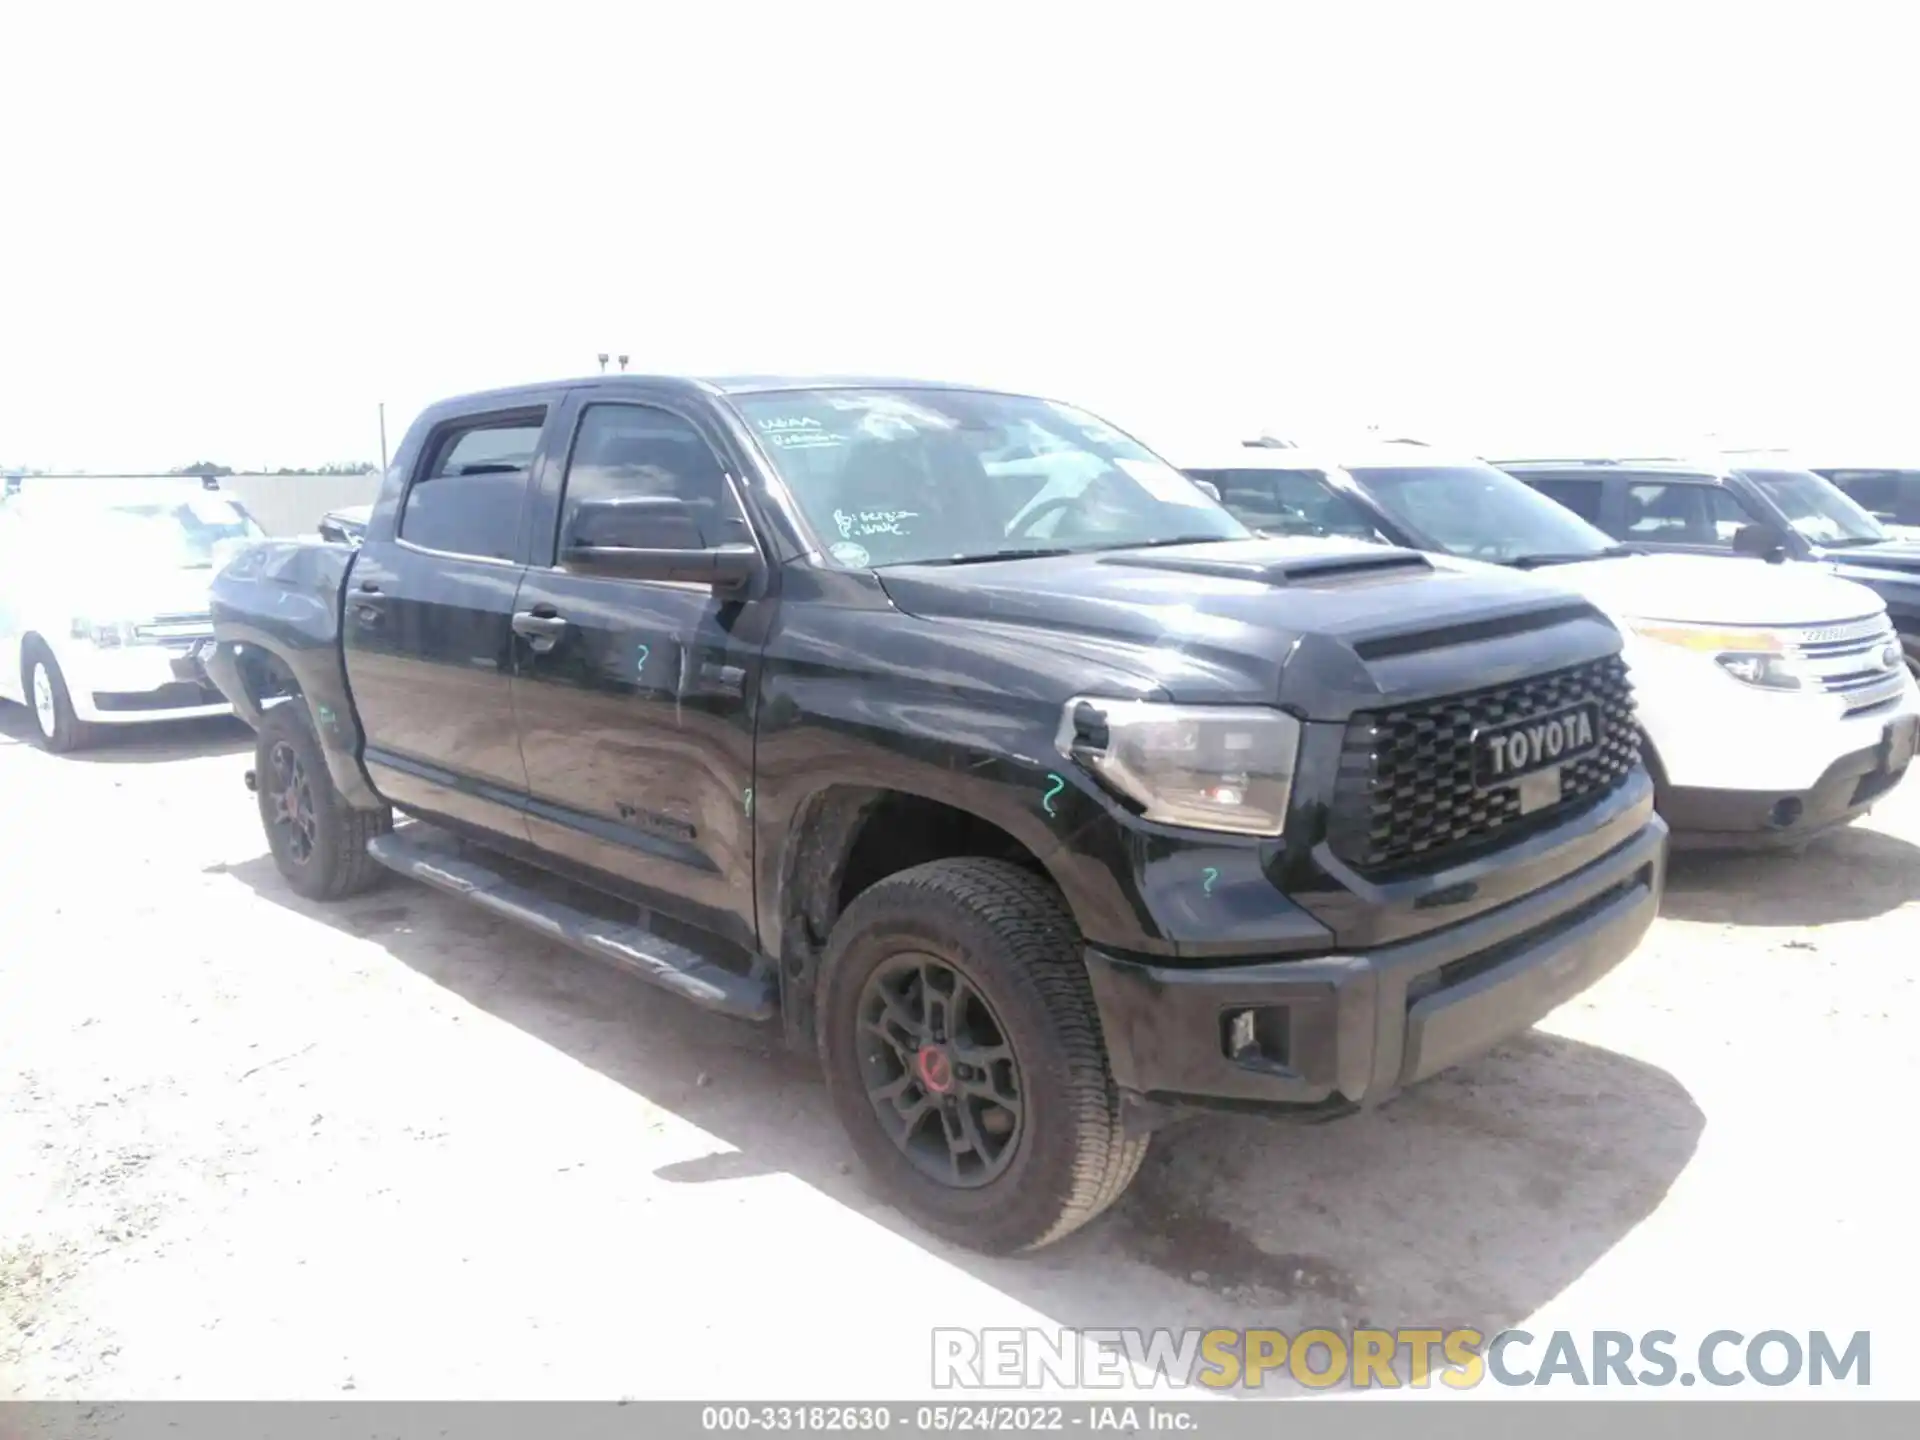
439, 860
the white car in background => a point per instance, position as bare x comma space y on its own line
1773, 698
103, 600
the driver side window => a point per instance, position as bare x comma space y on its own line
622, 450
1683, 513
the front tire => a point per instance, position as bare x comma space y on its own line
55, 725
319, 841
963, 1055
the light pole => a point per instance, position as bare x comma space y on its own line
603, 362
383, 438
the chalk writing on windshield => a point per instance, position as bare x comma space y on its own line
856, 524
797, 432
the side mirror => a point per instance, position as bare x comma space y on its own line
1209, 489
1768, 542
653, 537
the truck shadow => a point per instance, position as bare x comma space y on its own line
1850, 874
155, 743
1470, 1201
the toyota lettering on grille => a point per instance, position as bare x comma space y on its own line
1506, 754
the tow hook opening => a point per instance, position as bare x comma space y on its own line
253, 782
1785, 813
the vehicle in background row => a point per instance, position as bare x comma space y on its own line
103, 600
964, 738
1773, 699
345, 526
1889, 493
1728, 506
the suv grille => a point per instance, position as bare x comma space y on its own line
1860, 660
172, 630
1406, 790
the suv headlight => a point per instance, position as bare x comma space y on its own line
1227, 767
1757, 656
105, 634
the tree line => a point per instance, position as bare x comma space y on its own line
208, 467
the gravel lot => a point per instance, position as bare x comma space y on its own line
255, 1148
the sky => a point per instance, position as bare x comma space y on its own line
232, 233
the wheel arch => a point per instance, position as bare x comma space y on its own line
846, 837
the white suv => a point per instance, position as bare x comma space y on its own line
103, 600
1773, 698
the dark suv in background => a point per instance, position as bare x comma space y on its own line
1890, 493
1733, 506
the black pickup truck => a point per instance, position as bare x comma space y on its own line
962, 738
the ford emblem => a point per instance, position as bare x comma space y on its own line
1890, 658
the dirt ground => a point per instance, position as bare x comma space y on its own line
255, 1148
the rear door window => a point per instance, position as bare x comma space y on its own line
468, 498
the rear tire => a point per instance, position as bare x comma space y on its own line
319, 841
55, 726
1015, 993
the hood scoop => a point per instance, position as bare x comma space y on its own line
1374, 563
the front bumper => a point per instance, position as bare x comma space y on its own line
132, 684
1750, 819
1344, 1031
1711, 732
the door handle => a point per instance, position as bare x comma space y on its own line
541, 631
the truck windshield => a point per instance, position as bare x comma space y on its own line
1480, 513
171, 532
1818, 509
900, 477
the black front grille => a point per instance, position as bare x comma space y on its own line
1406, 793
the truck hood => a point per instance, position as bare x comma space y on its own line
1322, 627
1715, 590
1900, 557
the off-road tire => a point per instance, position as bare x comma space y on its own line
338, 866
1009, 933
70, 733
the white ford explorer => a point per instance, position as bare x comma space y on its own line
1773, 698
103, 600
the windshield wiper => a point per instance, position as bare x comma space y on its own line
991, 555
1533, 562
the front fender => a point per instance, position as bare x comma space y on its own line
276, 616
990, 756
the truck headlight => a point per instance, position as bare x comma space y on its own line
1754, 656
1227, 767
104, 634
